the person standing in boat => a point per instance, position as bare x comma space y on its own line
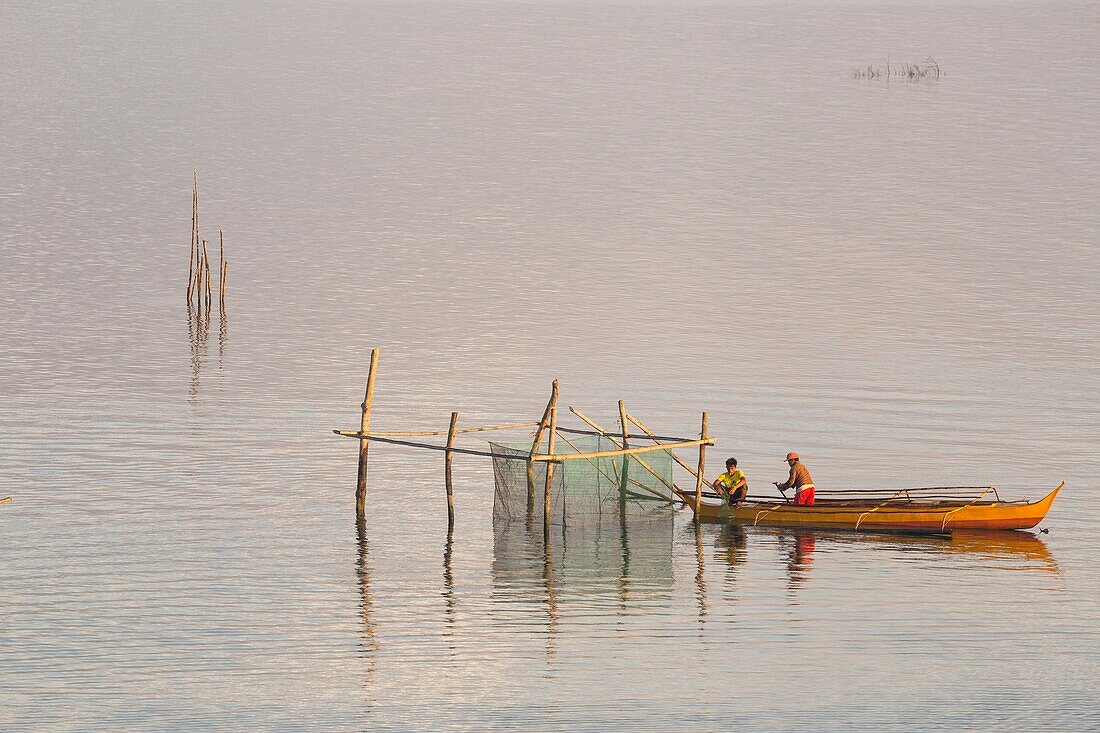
800, 481
732, 483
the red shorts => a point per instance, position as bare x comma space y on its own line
805, 497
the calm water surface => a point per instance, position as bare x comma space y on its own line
684, 206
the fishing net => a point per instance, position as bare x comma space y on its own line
581, 489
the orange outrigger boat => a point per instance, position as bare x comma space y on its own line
938, 510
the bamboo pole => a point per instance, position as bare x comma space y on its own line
552, 403
5, 500
364, 431
424, 434
625, 446
206, 275
628, 452
197, 234
448, 460
549, 467
221, 271
702, 466
198, 278
592, 423
649, 433
194, 224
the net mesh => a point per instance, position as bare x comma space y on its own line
581, 489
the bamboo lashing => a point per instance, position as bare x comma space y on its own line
628, 452
592, 423
448, 460
364, 432
702, 466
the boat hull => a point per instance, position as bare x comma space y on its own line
915, 516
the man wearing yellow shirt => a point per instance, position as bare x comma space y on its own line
732, 483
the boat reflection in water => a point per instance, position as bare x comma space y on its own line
1008, 549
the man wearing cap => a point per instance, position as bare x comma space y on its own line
800, 481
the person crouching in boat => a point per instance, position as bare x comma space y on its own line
732, 484
800, 481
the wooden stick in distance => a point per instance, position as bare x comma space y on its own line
364, 431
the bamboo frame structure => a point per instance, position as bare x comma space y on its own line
547, 425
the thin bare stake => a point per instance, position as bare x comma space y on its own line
194, 224
448, 460
221, 271
198, 280
206, 274
5, 500
364, 431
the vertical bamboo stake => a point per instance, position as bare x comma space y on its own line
197, 235
206, 274
702, 468
364, 429
549, 467
626, 459
198, 278
448, 460
221, 270
194, 222
535, 446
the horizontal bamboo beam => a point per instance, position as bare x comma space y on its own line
628, 452
592, 423
656, 439
425, 434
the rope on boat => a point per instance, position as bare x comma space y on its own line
863, 516
964, 506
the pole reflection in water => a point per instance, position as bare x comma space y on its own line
366, 608
700, 574
450, 603
619, 567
